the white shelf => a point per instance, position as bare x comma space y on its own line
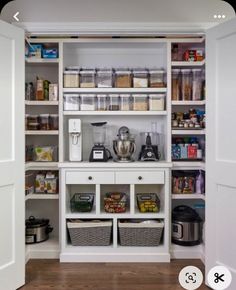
182, 165
42, 132
115, 90
42, 60
188, 63
188, 196
41, 103
115, 113
42, 196
41, 166
188, 103
188, 132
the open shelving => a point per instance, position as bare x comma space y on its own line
41, 196
41, 103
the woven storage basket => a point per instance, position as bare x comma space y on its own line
140, 234
90, 233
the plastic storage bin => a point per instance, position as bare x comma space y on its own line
197, 84
33, 122
45, 153
115, 202
114, 102
104, 78
71, 102
54, 122
71, 79
82, 202
90, 233
126, 103
88, 102
157, 102
102, 103
176, 84
140, 78
44, 122
186, 86
148, 202
87, 78
140, 102
140, 233
123, 78
157, 78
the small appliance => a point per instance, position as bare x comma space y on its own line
149, 152
99, 152
186, 226
75, 140
124, 146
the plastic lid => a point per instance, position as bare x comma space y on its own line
186, 70
101, 96
71, 95
140, 95
157, 96
125, 95
175, 70
88, 95
140, 70
91, 71
196, 70
104, 71
156, 71
123, 71
71, 72
114, 95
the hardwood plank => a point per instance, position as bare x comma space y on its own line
50, 274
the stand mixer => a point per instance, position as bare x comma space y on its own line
124, 146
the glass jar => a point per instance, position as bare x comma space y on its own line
157, 78
186, 84
140, 78
71, 102
102, 103
54, 120
44, 122
157, 102
197, 84
125, 102
87, 78
88, 102
114, 102
104, 78
140, 102
71, 79
123, 78
175, 84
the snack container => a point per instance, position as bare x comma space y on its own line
114, 102
157, 102
51, 183
44, 153
104, 78
88, 102
115, 202
33, 122
44, 122
140, 102
102, 104
186, 84
140, 78
87, 78
157, 78
82, 202
148, 202
71, 79
123, 78
71, 102
54, 120
40, 183
126, 103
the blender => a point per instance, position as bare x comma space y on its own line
99, 153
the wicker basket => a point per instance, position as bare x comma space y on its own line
140, 234
90, 233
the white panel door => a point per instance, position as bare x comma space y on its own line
221, 148
12, 208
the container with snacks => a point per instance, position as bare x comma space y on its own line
157, 102
123, 78
157, 78
51, 183
54, 122
102, 102
71, 78
140, 102
115, 202
186, 84
104, 78
148, 202
33, 122
44, 122
44, 153
114, 102
126, 102
176, 85
88, 78
88, 102
140, 78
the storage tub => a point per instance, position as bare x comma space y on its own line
139, 234
148, 202
140, 103
104, 78
115, 202
114, 102
82, 202
71, 102
102, 104
71, 79
126, 103
44, 122
140, 78
123, 78
157, 78
157, 102
90, 233
88, 102
87, 78
54, 119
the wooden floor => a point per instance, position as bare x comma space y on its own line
52, 275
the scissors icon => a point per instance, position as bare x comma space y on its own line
219, 278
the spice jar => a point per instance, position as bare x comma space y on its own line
87, 78
140, 78
104, 78
175, 84
186, 85
71, 79
125, 102
114, 102
44, 122
140, 102
156, 102
197, 84
156, 78
102, 102
123, 78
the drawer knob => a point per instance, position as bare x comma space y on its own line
140, 178
90, 178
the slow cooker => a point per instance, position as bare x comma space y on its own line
186, 226
36, 230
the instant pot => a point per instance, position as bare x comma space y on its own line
186, 226
36, 230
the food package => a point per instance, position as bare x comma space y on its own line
35, 50
51, 182
50, 53
43, 153
53, 92
115, 202
40, 183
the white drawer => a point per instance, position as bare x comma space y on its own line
140, 177
96, 177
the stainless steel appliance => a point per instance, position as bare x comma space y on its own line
99, 152
37, 230
186, 226
75, 140
124, 146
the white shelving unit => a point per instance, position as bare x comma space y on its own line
188, 196
115, 90
41, 61
188, 63
37, 196
188, 132
188, 103
41, 103
42, 132
115, 113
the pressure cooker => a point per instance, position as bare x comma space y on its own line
186, 226
37, 230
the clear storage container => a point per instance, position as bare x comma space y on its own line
157, 102
186, 84
197, 84
140, 102
71, 79
126, 103
33, 122
88, 102
71, 102
157, 78
87, 78
114, 102
54, 119
123, 78
102, 104
104, 78
140, 78
176, 84
44, 122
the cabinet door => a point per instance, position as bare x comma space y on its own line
221, 148
12, 199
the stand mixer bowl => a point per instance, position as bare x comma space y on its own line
124, 149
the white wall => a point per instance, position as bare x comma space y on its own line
116, 10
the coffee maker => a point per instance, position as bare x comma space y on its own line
75, 140
99, 152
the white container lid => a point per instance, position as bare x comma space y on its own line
114, 95
101, 96
125, 95
196, 70
140, 71
186, 70
71, 72
88, 71
156, 71
140, 95
123, 71
176, 70
157, 96
104, 71
88, 96
71, 95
